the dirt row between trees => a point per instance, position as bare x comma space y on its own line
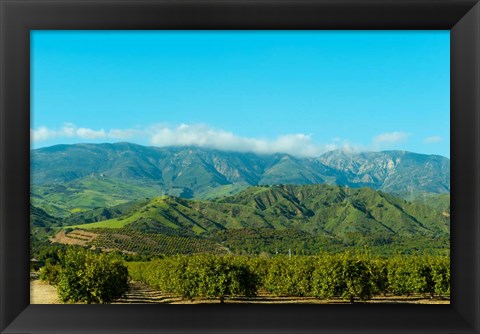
140, 293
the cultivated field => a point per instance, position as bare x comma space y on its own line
76, 237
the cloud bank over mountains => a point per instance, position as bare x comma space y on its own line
203, 135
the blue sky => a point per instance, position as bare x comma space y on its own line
300, 92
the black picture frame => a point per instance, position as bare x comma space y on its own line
18, 17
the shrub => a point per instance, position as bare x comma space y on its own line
91, 278
50, 272
343, 275
419, 274
441, 275
358, 278
290, 276
400, 272
423, 277
327, 281
379, 270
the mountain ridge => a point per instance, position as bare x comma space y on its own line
193, 172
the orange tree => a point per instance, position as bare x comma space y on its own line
89, 277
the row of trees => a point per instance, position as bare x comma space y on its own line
203, 276
272, 241
348, 276
353, 277
151, 244
85, 276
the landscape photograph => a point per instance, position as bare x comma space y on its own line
240, 167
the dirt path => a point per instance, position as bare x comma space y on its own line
43, 293
140, 293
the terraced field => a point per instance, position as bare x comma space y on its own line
133, 242
75, 237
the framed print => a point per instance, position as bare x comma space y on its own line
244, 153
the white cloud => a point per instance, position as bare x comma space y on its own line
90, 134
68, 130
204, 136
432, 140
42, 134
390, 138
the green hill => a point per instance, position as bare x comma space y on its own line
322, 210
438, 201
39, 218
94, 191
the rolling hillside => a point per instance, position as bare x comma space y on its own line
316, 209
94, 191
39, 218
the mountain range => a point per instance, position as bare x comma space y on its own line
84, 176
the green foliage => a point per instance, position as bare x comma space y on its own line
220, 191
347, 276
272, 241
427, 275
91, 278
289, 276
441, 275
39, 218
42, 225
42, 250
51, 271
423, 277
86, 276
357, 277
438, 201
379, 274
203, 276
258, 265
400, 275
217, 277
327, 280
